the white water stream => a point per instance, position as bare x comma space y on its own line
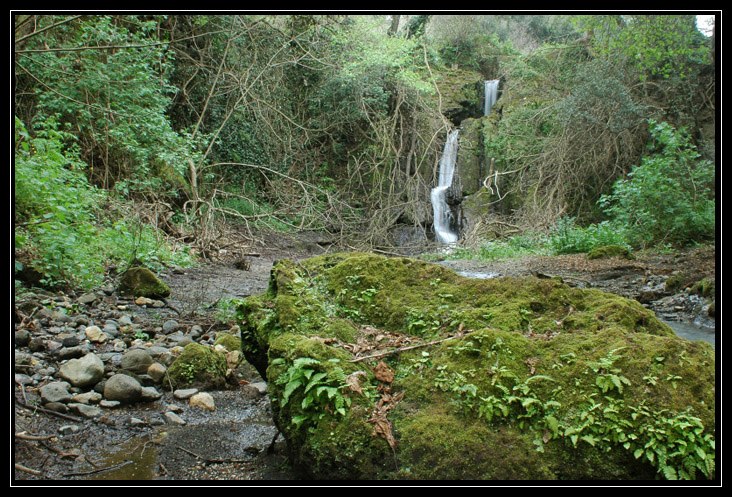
444, 232
442, 215
491, 94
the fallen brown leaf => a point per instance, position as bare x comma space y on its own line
354, 383
383, 373
531, 363
382, 427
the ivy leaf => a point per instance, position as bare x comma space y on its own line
552, 424
700, 452
589, 439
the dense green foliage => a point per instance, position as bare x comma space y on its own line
574, 115
655, 45
669, 197
66, 237
115, 100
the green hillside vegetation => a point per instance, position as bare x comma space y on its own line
147, 136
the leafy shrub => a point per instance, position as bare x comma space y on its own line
669, 197
320, 393
52, 194
568, 238
60, 228
116, 100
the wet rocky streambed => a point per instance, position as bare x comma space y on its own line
74, 433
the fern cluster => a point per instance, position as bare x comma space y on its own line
321, 393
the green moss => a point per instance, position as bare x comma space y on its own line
461, 93
548, 381
341, 329
704, 287
141, 282
199, 367
441, 445
563, 386
287, 311
605, 251
598, 310
345, 450
228, 341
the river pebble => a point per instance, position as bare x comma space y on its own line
203, 400
123, 388
185, 393
173, 419
83, 372
96, 335
136, 360
56, 391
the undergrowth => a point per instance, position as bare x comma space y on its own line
66, 231
565, 237
677, 444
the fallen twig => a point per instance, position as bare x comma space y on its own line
24, 436
93, 471
402, 349
48, 411
20, 467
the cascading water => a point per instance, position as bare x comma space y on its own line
443, 222
442, 215
491, 94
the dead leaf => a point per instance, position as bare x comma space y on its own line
382, 428
354, 383
531, 363
383, 373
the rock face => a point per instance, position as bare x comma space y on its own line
392, 368
462, 94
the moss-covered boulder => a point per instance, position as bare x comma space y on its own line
392, 368
605, 251
705, 287
198, 366
228, 341
141, 282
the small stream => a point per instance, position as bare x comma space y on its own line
238, 430
692, 331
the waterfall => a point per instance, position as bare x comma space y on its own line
444, 221
442, 215
491, 94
